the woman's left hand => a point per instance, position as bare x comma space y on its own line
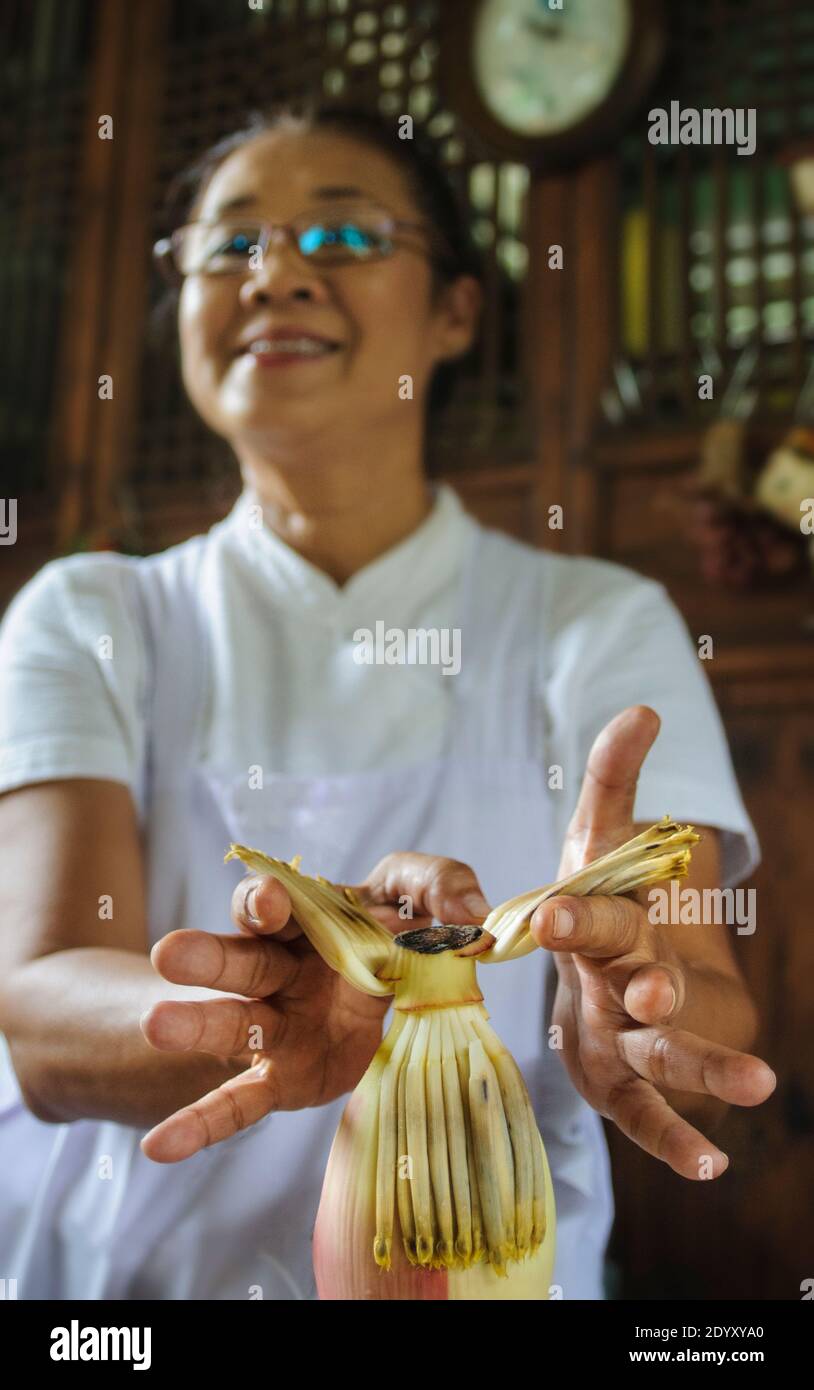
626, 999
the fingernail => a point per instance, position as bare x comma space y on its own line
477, 904
563, 923
250, 906
673, 1000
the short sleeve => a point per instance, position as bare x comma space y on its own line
72, 675
625, 643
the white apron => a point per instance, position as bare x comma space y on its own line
235, 1221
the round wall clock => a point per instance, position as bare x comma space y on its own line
546, 85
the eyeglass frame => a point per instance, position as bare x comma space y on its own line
164, 249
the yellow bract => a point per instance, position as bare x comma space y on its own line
347, 937
661, 852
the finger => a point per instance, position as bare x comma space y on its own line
397, 916
260, 904
655, 993
608, 793
234, 964
592, 926
646, 1118
233, 1106
428, 886
396, 919
223, 1027
677, 1060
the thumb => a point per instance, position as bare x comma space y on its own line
608, 792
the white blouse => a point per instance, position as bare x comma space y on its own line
287, 673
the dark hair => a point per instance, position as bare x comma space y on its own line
434, 195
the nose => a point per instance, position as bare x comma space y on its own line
284, 274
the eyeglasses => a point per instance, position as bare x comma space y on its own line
340, 237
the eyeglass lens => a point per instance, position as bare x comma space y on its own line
227, 246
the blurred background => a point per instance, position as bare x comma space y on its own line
678, 261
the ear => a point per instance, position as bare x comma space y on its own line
457, 317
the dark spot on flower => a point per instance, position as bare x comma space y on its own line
431, 941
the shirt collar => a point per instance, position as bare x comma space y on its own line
409, 572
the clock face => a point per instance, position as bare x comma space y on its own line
542, 70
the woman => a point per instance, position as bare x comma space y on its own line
155, 709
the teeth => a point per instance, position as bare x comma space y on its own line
293, 345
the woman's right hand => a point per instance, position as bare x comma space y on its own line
295, 1033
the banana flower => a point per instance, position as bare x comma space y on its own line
437, 1184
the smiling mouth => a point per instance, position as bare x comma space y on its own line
287, 348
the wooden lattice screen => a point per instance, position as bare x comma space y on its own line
44, 57
710, 252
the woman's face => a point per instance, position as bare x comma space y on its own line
380, 313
